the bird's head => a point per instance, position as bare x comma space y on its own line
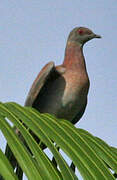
81, 35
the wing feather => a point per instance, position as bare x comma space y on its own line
47, 73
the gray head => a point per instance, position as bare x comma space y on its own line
81, 35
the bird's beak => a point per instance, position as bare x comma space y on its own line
97, 36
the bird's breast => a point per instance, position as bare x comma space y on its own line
77, 85
75, 94
66, 96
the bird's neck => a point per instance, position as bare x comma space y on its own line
74, 57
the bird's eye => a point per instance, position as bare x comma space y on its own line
80, 31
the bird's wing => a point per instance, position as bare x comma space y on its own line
48, 72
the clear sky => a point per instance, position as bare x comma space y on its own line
35, 32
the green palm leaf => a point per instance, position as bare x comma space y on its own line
92, 156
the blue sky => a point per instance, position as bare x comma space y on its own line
35, 32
